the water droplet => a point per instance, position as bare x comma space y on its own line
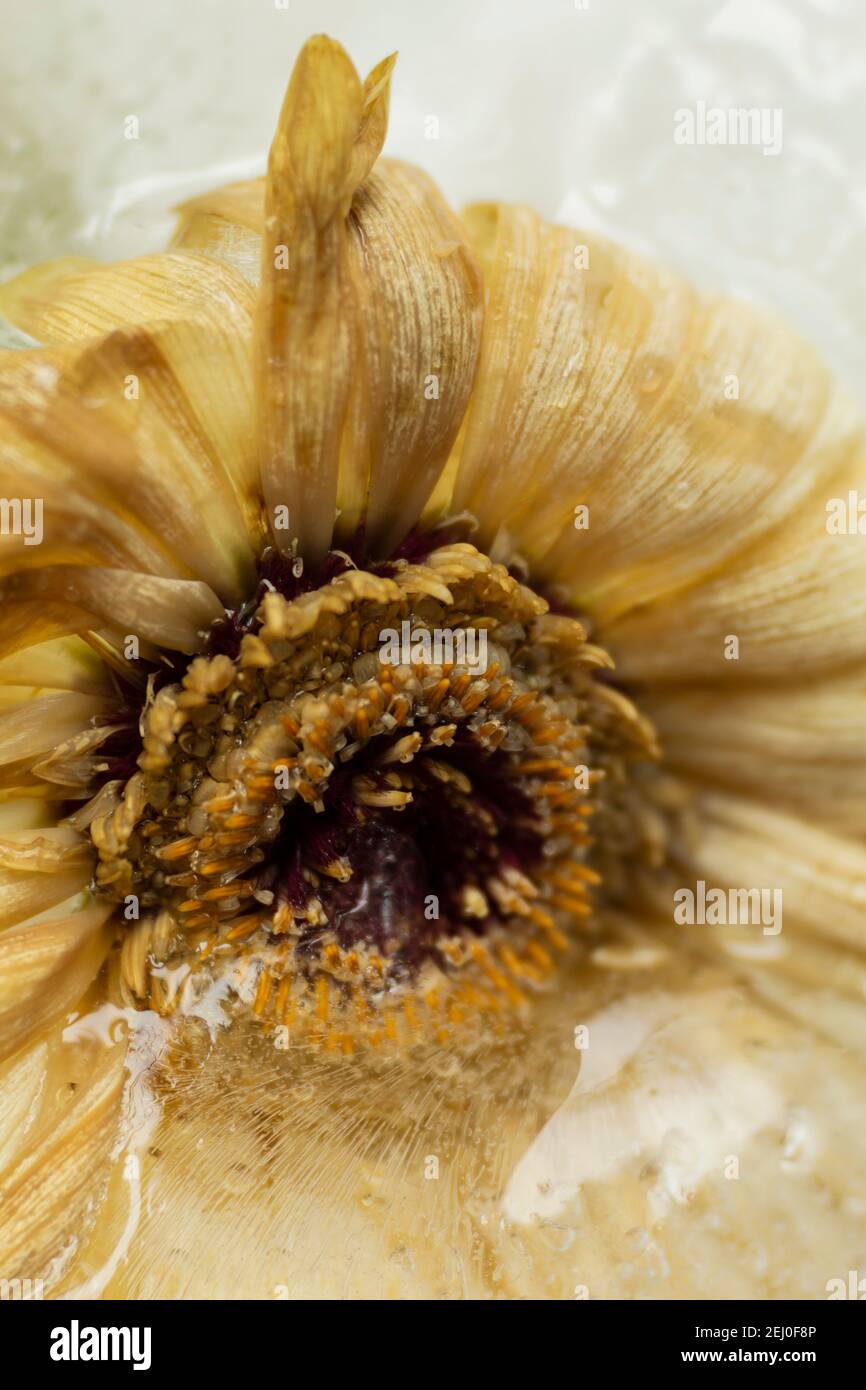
651, 373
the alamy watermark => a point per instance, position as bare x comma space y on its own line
77, 1343
720, 907
731, 125
846, 516
21, 1290
854, 1287
22, 516
437, 646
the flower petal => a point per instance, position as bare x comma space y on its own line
795, 602
23, 295
50, 1183
64, 664
140, 445
39, 871
419, 303
225, 223
368, 316
45, 967
68, 301
35, 726
38, 605
801, 748
604, 383
821, 875
63, 466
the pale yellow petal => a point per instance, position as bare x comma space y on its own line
64, 664
22, 1078
50, 1185
64, 467
39, 605
369, 317
242, 204
801, 747
45, 967
26, 813
22, 297
225, 223
90, 300
190, 420
687, 425
820, 874
795, 603
39, 871
140, 446
39, 724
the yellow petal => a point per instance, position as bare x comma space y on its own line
191, 424
225, 223
88, 300
688, 425
22, 297
36, 726
140, 444
39, 605
801, 748
64, 466
368, 316
795, 602
821, 875
39, 871
45, 967
23, 1078
50, 1184
64, 664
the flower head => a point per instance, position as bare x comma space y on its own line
414, 613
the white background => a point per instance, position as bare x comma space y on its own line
541, 101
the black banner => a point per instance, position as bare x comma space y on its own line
62, 1337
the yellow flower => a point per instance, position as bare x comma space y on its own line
432, 759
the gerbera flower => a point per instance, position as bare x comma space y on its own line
432, 759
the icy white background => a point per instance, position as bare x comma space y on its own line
570, 109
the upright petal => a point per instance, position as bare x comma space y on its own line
368, 317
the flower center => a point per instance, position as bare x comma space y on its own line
372, 798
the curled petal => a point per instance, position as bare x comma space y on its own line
22, 297
63, 465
